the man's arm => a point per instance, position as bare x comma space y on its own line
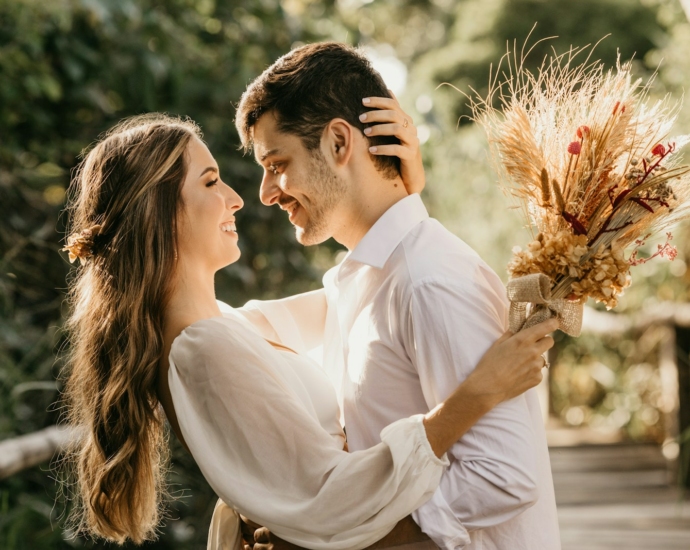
492, 476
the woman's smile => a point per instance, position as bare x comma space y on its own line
229, 227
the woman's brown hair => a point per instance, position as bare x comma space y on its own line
123, 207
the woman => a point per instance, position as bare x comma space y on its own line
153, 222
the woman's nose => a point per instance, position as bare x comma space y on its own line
269, 191
234, 201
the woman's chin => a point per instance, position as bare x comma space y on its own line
232, 258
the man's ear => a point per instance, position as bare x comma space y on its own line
338, 141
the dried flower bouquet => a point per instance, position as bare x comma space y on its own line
586, 154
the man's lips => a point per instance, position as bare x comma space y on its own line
292, 208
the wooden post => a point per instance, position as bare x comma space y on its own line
683, 362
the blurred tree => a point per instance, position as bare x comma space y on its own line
456, 43
68, 70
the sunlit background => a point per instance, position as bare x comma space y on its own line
69, 69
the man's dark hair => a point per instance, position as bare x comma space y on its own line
309, 87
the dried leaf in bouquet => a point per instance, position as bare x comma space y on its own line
586, 154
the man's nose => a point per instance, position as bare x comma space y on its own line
269, 191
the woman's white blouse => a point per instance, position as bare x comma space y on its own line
262, 425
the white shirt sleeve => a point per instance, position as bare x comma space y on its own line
493, 471
297, 322
266, 457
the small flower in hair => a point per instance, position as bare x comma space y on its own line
81, 245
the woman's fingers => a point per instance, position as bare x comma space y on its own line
388, 119
505, 336
393, 126
406, 135
537, 332
381, 103
391, 150
384, 116
390, 122
545, 344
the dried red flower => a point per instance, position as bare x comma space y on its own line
574, 148
615, 107
659, 150
667, 251
582, 131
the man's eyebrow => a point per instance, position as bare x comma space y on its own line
207, 170
268, 154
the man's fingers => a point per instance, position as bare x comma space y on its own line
262, 535
263, 546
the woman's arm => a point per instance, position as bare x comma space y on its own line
511, 366
266, 456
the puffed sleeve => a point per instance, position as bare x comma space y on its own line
267, 458
297, 321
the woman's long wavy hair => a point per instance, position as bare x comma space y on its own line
129, 184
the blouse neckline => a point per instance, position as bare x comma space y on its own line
275, 345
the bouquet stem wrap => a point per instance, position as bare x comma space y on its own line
535, 290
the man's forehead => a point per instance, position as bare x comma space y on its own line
262, 153
260, 133
267, 139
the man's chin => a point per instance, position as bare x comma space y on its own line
308, 237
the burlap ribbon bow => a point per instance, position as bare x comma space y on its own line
535, 291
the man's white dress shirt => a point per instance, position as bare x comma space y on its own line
407, 315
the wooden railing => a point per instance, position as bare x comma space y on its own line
674, 363
30, 450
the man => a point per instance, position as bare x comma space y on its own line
410, 310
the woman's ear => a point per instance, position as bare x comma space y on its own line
338, 141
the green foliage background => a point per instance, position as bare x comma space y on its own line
69, 69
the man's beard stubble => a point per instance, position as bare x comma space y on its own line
327, 189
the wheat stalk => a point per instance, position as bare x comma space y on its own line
586, 154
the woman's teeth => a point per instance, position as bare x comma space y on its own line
228, 227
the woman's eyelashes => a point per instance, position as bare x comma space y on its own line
212, 183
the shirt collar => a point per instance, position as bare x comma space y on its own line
389, 230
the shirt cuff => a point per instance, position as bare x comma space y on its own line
437, 520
